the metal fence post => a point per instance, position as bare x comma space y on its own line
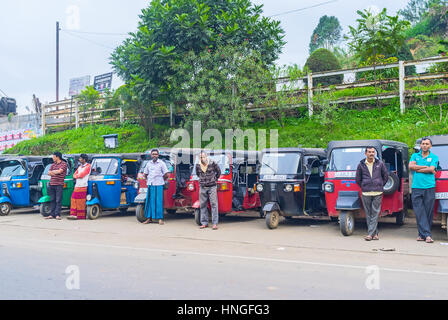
121, 114
310, 94
77, 114
401, 81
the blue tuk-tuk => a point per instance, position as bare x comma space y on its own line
113, 183
19, 182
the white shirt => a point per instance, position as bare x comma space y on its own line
155, 171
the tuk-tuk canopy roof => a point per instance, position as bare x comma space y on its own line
436, 140
377, 144
27, 158
122, 156
305, 151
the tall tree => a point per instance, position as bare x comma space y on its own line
170, 28
327, 33
416, 9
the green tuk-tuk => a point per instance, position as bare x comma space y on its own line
69, 184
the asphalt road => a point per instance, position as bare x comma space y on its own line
115, 257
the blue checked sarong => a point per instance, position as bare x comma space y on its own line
154, 203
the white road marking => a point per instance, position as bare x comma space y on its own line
322, 264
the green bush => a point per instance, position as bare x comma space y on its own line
324, 60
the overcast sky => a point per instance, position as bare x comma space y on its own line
27, 37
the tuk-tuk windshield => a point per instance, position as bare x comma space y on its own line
11, 168
346, 159
168, 163
222, 161
280, 163
442, 153
104, 166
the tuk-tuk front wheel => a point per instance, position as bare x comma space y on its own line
45, 209
140, 213
400, 217
5, 209
347, 222
197, 216
93, 212
272, 219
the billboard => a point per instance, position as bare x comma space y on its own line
103, 82
78, 84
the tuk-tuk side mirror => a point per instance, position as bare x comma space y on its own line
324, 162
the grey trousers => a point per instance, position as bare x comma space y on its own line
205, 194
372, 208
423, 203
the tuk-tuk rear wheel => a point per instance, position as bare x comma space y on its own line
347, 223
93, 212
45, 209
272, 219
400, 217
140, 213
5, 209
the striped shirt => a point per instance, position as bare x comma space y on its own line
58, 180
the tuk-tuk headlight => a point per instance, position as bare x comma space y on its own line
260, 187
136, 185
190, 187
328, 187
288, 188
40, 184
89, 197
5, 189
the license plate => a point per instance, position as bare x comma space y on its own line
441, 195
274, 177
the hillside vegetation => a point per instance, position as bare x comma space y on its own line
383, 123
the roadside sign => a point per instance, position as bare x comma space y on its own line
103, 82
78, 84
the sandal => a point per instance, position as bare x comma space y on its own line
161, 222
203, 227
368, 238
215, 227
376, 237
429, 240
49, 217
420, 239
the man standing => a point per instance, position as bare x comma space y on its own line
208, 172
371, 176
58, 171
78, 201
423, 165
156, 173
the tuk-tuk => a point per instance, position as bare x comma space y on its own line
237, 184
343, 195
19, 178
112, 183
176, 197
440, 148
69, 184
291, 183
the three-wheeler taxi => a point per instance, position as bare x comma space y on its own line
112, 184
440, 148
19, 179
236, 187
343, 195
69, 185
291, 183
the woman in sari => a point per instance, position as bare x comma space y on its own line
78, 203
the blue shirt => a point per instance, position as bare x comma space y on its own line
156, 171
424, 180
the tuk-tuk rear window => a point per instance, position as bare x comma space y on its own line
107, 166
12, 168
442, 153
280, 163
346, 159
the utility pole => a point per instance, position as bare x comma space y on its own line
57, 60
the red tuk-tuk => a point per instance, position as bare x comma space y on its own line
440, 148
343, 195
237, 184
176, 197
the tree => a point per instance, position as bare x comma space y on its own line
376, 35
416, 9
327, 33
217, 86
170, 28
324, 60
